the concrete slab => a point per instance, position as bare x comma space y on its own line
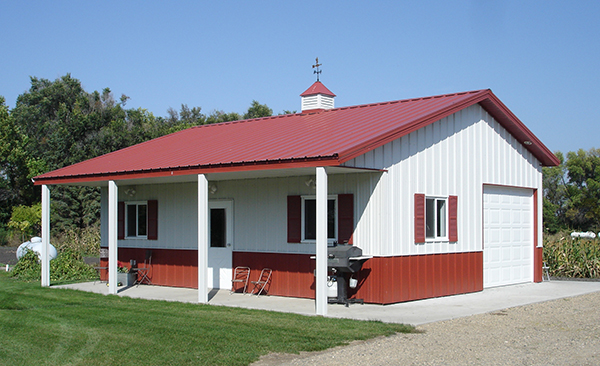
413, 312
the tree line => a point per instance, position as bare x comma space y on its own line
56, 124
572, 192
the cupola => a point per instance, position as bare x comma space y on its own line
317, 97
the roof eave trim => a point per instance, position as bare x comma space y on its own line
518, 129
307, 161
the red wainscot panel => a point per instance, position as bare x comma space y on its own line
292, 273
387, 280
382, 280
177, 268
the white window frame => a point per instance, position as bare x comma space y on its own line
336, 213
433, 217
137, 224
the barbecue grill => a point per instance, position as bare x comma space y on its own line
342, 261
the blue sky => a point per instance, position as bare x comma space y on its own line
541, 58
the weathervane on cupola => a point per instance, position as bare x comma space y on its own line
317, 97
317, 71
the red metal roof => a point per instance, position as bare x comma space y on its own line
325, 138
317, 88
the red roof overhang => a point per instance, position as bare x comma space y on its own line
306, 162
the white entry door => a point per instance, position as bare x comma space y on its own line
508, 236
220, 243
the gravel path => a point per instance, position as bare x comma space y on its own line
559, 332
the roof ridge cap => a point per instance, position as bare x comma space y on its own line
243, 121
407, 100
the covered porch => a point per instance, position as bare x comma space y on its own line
204, 184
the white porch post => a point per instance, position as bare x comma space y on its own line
45, 235
202, 239
113, 212
321, 250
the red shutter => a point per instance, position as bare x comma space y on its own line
419, 218
152, 220
121, 220
453, 218
345, 218
294, 213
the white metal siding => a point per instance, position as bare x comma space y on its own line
508, 235
454, 156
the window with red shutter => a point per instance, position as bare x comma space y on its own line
436, 218
138, 220
301, 218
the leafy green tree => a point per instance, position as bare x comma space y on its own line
220, 116
555, 196
54, 124
15, 184
27, 220
583, 210
257, 110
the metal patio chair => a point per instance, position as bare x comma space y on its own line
240, 275
144, 271
262, 282
546, 272
100, 269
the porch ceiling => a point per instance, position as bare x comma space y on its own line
237, 175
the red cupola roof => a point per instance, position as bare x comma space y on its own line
317, 88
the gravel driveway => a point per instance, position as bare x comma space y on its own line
559, 332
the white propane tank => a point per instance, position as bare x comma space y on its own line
35, 244
587, 234
331, 286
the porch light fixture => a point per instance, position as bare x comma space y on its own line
130, 192
310, 182
527, 142
212, 188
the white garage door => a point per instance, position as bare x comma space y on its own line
507, 236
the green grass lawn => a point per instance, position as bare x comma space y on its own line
45, 326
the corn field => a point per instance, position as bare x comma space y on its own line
572, 257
